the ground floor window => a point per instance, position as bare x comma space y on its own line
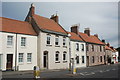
64, 56
29, 57
77, 59
83, 61
20, 58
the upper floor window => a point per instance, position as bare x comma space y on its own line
87, 49
77, 46
57, 56
10, 40
92, 47
64, 56
100, 48
64, 41
56, 40
23, 41
48, 39
20, 58
29, 57
82, 45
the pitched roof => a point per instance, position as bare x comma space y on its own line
75, 36
91, 38
107, 48
48, 24
16, 26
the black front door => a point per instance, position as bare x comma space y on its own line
45, 60
9, 61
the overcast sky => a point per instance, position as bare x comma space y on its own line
100, 17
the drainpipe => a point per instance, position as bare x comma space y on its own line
16, 53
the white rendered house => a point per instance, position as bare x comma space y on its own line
53, 41
18, 45
78, 49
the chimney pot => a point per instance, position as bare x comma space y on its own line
55, 18
103, 41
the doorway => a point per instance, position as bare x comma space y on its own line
45, 59
0, 61
87, 61
9, 61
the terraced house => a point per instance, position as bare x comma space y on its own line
16, 51
52, 41
77, 48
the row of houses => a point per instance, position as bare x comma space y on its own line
43, 42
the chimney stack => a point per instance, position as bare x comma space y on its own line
55, 18
75, 29
87, 31
32, 10
108, 44
103, 41
96, 35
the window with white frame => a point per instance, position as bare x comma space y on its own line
48, 39
57, 56
9, 40
29, 57
56, 40
82, 45
20, 58
64, 56
83, 61
64, 41
23, 41
77, 59
77, 46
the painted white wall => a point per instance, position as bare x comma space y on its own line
79, 53
30, 48
42, 38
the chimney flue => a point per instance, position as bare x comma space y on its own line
75, 29
55, 18
108, 44
87, 31
96, 35
103, 41
32, 9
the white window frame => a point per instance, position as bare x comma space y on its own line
77, 46
9, 41
48, 39
57, 57
29, 57
21, 58
65, 57
64, 41
23, 41
56, 40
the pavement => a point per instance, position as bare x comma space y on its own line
101, 71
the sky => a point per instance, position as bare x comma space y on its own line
100, 17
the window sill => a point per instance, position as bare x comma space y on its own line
20, 63
29, 62
48, 45
57, 62
57, 46
65, 46
23, 46
9, 46
64, 61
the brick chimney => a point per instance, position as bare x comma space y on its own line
75, 29
103, 41
111, 47
96, 35
108, 44
55, 18
87, 31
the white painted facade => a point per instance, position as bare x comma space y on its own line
115, 57
51, 49
31, 47
80, 53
